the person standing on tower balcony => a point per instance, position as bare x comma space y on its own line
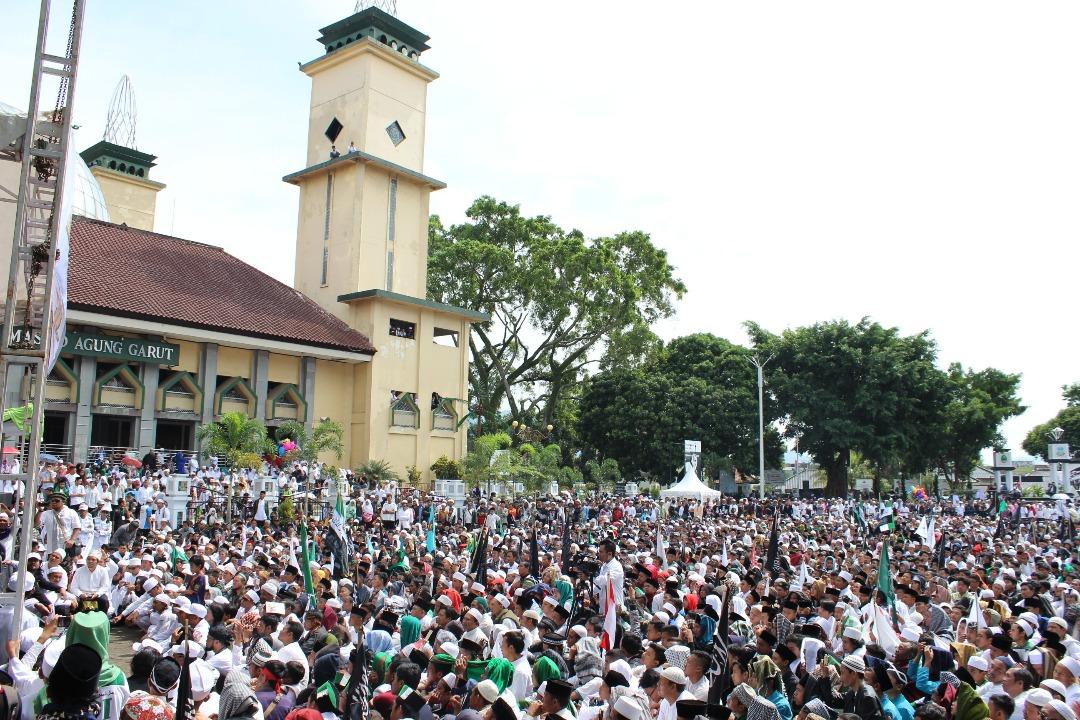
352, 148
334, 152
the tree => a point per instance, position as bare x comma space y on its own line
1068, 419
325, 437
378, 472
559, 303
233, 436
978, 402
847, 387
604, 475
699, 387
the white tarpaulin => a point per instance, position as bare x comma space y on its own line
690, 487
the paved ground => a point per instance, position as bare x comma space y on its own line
120, 646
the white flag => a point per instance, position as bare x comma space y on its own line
661, 554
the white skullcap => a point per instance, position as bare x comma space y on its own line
978, 662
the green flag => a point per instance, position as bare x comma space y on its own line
19, 416
305, 565
884, 578
1002, 507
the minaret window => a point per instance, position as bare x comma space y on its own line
397, 135
333, 130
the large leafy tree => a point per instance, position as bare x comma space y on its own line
699, 387
1068, 419
559, 303
978, 403
846, 387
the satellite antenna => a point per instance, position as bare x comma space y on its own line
120, 123
387, 6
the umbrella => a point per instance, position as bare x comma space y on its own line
1058, 496
48, 457
11, 451
131, 462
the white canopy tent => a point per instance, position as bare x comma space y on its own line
690, 487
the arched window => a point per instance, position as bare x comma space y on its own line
122, 168
112, 164
382, 39
140, 173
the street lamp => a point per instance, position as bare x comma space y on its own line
756, 362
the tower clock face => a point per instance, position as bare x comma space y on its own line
397, 136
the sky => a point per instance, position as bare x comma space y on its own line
800, 162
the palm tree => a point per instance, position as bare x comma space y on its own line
378, 472
325, 437
232, 436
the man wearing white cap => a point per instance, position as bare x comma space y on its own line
91, 583
163, 621
138, 613
1067, 671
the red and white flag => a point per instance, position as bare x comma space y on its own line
607, 639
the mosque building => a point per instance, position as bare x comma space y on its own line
165, 334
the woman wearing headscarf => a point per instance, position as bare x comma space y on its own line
703, 631
544, 669
378, 641
765, 679
238, 701
409, 635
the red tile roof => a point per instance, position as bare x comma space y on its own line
134, 273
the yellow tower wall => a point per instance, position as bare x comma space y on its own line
131, 200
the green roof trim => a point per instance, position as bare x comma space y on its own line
473, 315
118, 152
296, 177
373, 18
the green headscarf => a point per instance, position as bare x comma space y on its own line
545, 669
475, 669
566, 592
501, 672
443, 661
410, 631
92, 629
483, 603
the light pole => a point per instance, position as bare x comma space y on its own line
756, 362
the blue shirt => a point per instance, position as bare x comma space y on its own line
779, 699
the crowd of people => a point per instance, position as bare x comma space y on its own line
586, 607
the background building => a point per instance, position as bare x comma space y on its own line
166, 333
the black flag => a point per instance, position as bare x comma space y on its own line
185, 704
534, 556
772, 562
941, 550
720, 667
479, 564
999, 532
564, 561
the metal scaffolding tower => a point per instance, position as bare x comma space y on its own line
34, 309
